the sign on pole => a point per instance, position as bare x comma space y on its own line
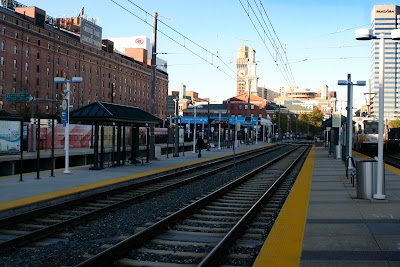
64, 112
18, 97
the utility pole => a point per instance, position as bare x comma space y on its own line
248, 114
153, 86
176, 151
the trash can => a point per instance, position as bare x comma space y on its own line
366, 178
365, 170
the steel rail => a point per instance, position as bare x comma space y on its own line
49, 230
110, 255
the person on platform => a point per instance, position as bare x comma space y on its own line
199, 145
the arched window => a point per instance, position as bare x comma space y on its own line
38, 55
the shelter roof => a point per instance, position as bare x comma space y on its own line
104, 112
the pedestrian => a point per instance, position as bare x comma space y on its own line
199, 145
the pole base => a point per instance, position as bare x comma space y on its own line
379, 196
67, 172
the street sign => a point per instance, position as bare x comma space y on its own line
18, 97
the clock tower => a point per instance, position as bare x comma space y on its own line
246, 71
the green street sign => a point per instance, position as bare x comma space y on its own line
18, 97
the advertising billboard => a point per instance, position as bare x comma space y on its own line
10, 136
91, 34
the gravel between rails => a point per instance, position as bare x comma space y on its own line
89, 238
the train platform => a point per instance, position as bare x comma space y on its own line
17, 196
323, 223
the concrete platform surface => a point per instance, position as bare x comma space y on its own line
344, 230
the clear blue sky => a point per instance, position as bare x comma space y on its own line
318, 36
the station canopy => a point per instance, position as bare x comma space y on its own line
108, 113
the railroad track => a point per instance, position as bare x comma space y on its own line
391, 159
26, 228
204, 232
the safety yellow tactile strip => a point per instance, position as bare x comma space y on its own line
284, 243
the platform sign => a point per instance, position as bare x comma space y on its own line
18, 97
336, 119
64, 112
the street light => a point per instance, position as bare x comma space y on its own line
349, 129
66, 106
366, 34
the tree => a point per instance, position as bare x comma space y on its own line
313, 121
394, 123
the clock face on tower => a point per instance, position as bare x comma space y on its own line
242, 73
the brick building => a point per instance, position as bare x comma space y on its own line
35, 48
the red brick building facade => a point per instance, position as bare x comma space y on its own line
33, 52
238, 106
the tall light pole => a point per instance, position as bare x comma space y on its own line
66, 106
367, 34
349, 129
153, 86
176, 151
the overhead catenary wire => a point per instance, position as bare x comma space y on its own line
250, 11
183, 44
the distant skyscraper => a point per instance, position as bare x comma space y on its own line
385, 18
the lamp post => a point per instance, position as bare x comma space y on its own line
349, 129
367, 34
176, 141
66, 106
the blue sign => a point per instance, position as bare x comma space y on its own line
64, 112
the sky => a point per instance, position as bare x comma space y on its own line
200, 39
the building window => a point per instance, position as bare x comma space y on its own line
14, 78
38, 55
2, 61
37, 81
27, 38
15, 63
27, 52
15, 49
3, 31
38, 42
48, 71
3, 46
1, 75
48, 58
16, 35
26, 66
58, 61
48, 46
26, 80
66, 63
37, 68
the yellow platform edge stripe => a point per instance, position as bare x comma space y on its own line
284, 243
18, 203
